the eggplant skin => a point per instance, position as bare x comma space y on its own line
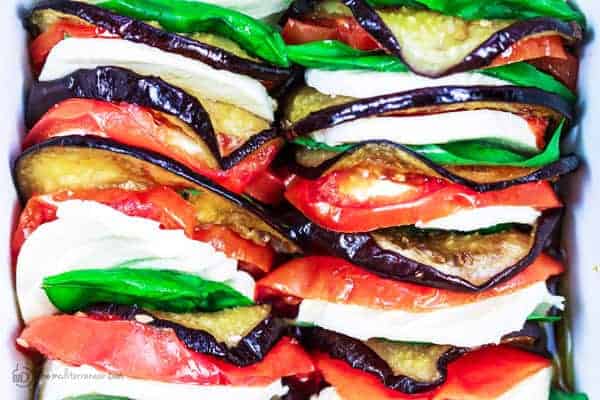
172, 174
361, 249
443, 98
141, 32
551, 171
114, 84
250, 350
480, 57
359, 356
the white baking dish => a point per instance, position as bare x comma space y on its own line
582, 191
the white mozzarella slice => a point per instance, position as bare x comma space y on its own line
485, 217
497, 126
470, 325
536, 387
193, 76
60, 381
363, 84
88, 235
254, 8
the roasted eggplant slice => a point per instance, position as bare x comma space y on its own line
308, 110
449, 260
404, 160
44, 15
405, 367
408, 368
242, 336
112, 84
433, 44
80, 162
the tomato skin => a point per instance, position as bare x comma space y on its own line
324, 204
298, 32
482, 374
344, 29
144, 128
140, 351
566, 71
336, 280
234, 246
532, 48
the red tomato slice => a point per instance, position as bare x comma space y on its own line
230, 243
483, 374
267, 188
298, 32
366, 198
41, 46
160, 204
566, 71
344, 29
532, 48
335, 280
144, 128
139, 351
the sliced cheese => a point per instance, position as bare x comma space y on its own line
255, 8
363, 84
470, 325
193, 76
60, 381
485, 217
90, 235
498, 126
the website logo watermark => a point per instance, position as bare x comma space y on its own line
23, 376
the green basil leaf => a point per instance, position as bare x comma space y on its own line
333, 55
556, 394
164, 290
472, 152
524, 74
254, 36
493, 9
544, 318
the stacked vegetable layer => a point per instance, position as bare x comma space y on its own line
399, 247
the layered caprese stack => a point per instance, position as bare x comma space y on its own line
401, 249
135, 253
427, 145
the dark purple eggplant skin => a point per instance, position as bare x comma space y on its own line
114, 84
482, 56
98, 143
250, 350
361, 357
428, 97
362, 250
563, 166
141, 32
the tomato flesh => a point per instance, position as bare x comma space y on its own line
144, 128
532, 48
336, 280
355, 201
344, 29
160, 204
233, 245
139, 351
483, 374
